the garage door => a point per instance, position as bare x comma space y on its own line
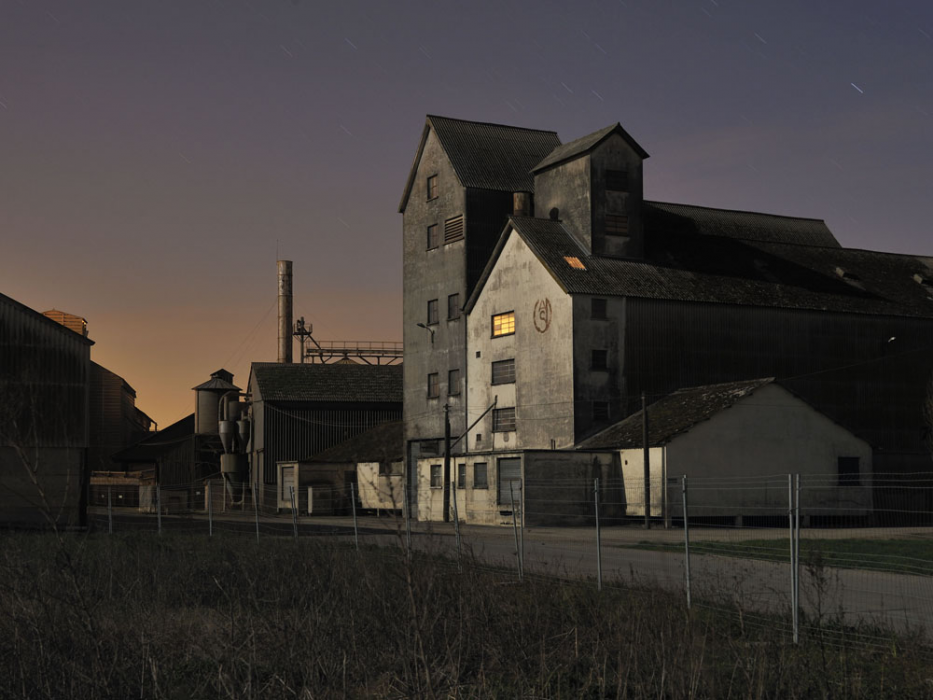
510, 472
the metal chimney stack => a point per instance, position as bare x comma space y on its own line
285, 310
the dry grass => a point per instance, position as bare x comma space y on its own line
140, 616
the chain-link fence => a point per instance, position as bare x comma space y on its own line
801, 554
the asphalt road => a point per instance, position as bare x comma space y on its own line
893, 601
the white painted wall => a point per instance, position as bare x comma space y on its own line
543, 390
768, 434
380, 491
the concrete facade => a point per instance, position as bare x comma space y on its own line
542, 350
432, 274
551, 487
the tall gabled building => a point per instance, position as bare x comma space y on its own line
464, 183
595, 295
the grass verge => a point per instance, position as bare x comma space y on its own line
894, 556
184, 617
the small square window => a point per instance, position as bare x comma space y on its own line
432, 312
461, 476
617, 180
848, 471
433, 237
600, 410
436, 477
503, 372
597, 308
600, 360
453, 307
479, 476
434, 387
503, 420
453, 382
432, 187
616, 225
503, 324
479, 438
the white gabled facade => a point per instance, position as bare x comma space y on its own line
541, 348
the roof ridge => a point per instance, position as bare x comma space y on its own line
758, 380
737, 211
504, 126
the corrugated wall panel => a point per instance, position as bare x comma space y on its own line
843, 364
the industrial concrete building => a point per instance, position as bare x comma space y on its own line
593, 295
45, 380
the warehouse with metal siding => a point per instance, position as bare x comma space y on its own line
299, 410
44, 380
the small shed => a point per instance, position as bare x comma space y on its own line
736, 442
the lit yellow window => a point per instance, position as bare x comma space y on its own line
574, 262
503, 324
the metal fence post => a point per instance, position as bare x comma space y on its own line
793, 567
291, 497
109, 510
210, 509
453, 488
256, 506
159, 507
356, 531
599, 557
797, 559
515, 532
683, 491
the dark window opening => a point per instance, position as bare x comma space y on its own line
433, 237
453, 382
461, 476
453, 307
503, 420
617, 180
600, 410
434, 386
503, 372
597, 308
600, 360
436, 478
479, 476
432, 312
616, 225
432, 187
848, 471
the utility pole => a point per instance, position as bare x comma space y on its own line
446, 463
644, 441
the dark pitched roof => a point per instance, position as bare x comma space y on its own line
221, 380
487, 156
333, 383
709, 268
22, 308
151, 447
587, 143
384, 443
674, 414
744, 225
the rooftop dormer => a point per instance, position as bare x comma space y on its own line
595, 184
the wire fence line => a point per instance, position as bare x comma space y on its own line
803, 554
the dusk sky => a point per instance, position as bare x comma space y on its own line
156, 156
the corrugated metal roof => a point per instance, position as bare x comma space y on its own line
384, 443
493, 156
334, 383
151, 447
672, 415
585, 143
744, 225
724, 270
